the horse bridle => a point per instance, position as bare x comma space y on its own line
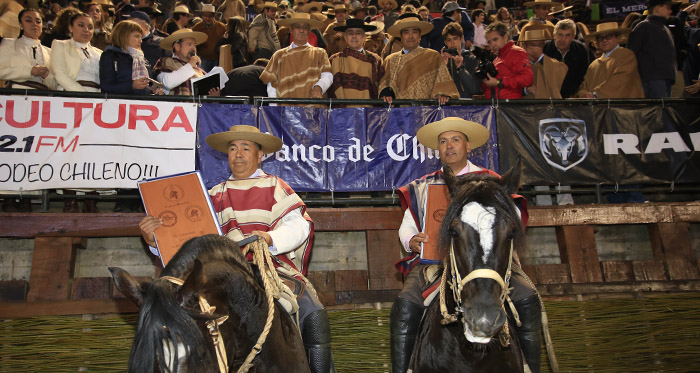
457, 283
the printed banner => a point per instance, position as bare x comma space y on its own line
621, 8
600, 144
49, 142
340, 150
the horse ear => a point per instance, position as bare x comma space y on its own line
195, 280
511, 179
127, 284
450, 179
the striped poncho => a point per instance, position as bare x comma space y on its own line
293, 72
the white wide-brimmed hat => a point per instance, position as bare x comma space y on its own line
199, 37
410, 22
475, 132
221, 140
301, 18
606, 28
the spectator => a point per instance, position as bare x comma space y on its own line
232, 8
512, 65
356, 72
451, 12
335, 40
359, 13
652, 44
150, 43
375, 39
460, 62
548, 73
175, 72
415, 73
155, 20
122, 64
503, 15
245, 80
631, 20
691, 68
541, 10
100, 38
214, 30
123, 10
60, 29
74, 62
262, 34
236, 35
24, 62
572, 52
614, 74
180, 19
424, 14
388, 15
300, 70
478, 21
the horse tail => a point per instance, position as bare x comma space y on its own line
164, 323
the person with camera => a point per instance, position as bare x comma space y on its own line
511, 66
460, 62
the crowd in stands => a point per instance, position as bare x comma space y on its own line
361, 49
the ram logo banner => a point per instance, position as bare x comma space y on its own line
563, 142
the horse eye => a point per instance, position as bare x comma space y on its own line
452, 232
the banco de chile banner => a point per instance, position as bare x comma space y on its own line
340, 150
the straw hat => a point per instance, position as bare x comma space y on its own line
409, 22
394, 4
531, 4
199, 37
267, 4
559, 8
379, 25
306, 8
355, 23
475, 132
534, 35
301, 18
220, 141
9, 24
207, 8
182, 9
607, 28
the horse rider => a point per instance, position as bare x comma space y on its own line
251, 202
454, 138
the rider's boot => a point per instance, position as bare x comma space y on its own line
316, 333
405, 321
530, 333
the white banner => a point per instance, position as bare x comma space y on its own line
48, 142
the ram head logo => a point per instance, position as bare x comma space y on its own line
563, 142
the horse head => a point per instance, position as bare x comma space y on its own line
172, 334
477, 234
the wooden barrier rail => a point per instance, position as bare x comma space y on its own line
52, 290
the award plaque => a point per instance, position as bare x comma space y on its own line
182, 203
437, 200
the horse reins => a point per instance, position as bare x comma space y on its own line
212, 326
457, 284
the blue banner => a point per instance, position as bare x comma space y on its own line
621, 8
341, 150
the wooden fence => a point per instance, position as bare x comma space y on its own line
52, 290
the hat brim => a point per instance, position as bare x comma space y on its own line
531, 4
393, 3
367, 28
477, 134
167, 43
395, 29
592, 36
560, 11
314, 24
314, 4
379, 29
220, 141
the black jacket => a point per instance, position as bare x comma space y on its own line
115, 72
245, 81
150, 45
466, 81
576, 59
652, 43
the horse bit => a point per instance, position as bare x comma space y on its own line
457, 284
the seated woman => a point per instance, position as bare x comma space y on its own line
24, 62
122, 65
74, 62
236, 35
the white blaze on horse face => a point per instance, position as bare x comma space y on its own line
169, 356
481, 218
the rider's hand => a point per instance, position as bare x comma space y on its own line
147, 226
414, 245
265, 235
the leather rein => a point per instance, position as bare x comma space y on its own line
458, 282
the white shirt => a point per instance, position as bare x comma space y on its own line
33, 51
325, 81
173, 79
408, 227
611, 52
89, 65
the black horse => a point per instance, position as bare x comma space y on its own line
480, 225
172, 334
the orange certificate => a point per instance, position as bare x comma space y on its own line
437, 200
182, 203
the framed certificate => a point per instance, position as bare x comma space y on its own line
181, 201
436, 203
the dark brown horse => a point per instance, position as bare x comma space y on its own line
172, 333
480, 229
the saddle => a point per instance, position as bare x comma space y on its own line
291, 289
430, 282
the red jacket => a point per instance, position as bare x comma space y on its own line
514, 71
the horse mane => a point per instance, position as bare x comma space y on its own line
163, 319
487, 190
